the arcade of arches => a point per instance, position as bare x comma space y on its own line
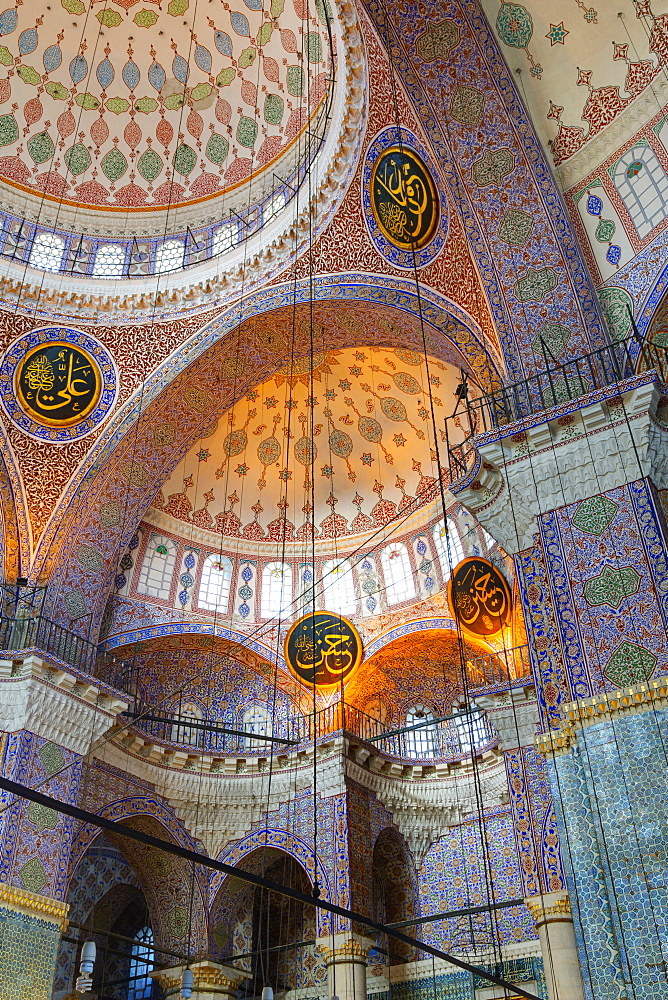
333, 500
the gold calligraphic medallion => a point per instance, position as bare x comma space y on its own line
323, 649
58, 384
404, 199
479, 597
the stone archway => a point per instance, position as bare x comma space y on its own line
78, 552
395, 891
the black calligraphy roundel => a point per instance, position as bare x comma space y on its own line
479, 597
404, 198
323, 648
58, 384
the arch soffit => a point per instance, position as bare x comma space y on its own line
273, 837
124, 469
132, 807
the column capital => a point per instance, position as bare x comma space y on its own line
345, 947
550, 907
208, 978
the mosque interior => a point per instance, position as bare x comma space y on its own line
333, 500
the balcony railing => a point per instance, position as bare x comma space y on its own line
24, 628
560, 382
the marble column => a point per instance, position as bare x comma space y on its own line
554, 923
346, 961
211, 980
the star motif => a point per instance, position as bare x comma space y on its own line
399, 440
557, 33
251, 396
360, 356
355, 370
327, 470
242, 469
270, 402
203, 454
434, 380
345, 384
285, 475
366, 458
291, 403
330, 394
311, 401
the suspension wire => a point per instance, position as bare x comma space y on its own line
484, 844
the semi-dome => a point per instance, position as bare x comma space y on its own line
341, 444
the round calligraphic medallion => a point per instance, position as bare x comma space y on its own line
58, 384
323, 648
403, 198
404, 202
479, 597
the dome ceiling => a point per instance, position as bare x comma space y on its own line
138, 104
357, 439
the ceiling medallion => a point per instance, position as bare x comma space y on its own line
403, 198
323, 649
57, 384
479, 597
404, 203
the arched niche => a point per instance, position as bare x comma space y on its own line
395, 893
269, 935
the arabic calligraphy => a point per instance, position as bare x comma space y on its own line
479, 597
58, 384
323, 648
404, 199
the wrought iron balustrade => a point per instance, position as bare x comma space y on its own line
559, 382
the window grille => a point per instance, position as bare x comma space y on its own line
399, 583
47, 252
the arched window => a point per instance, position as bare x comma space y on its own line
338, 588
224, 239
157, 568
142, 962
169, 256
256, 720
642, 183
185, 733
214, 589
399, 583
274, 206
449, 547
47, 252
109, 261
421, 741
276, 589
473, 729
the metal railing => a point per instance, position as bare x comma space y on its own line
24, 626
560, 382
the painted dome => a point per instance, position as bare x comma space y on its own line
354, 440
145, 104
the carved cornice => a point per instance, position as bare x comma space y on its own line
58, 297
623, 127
13, 898
603, 707
565, 454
